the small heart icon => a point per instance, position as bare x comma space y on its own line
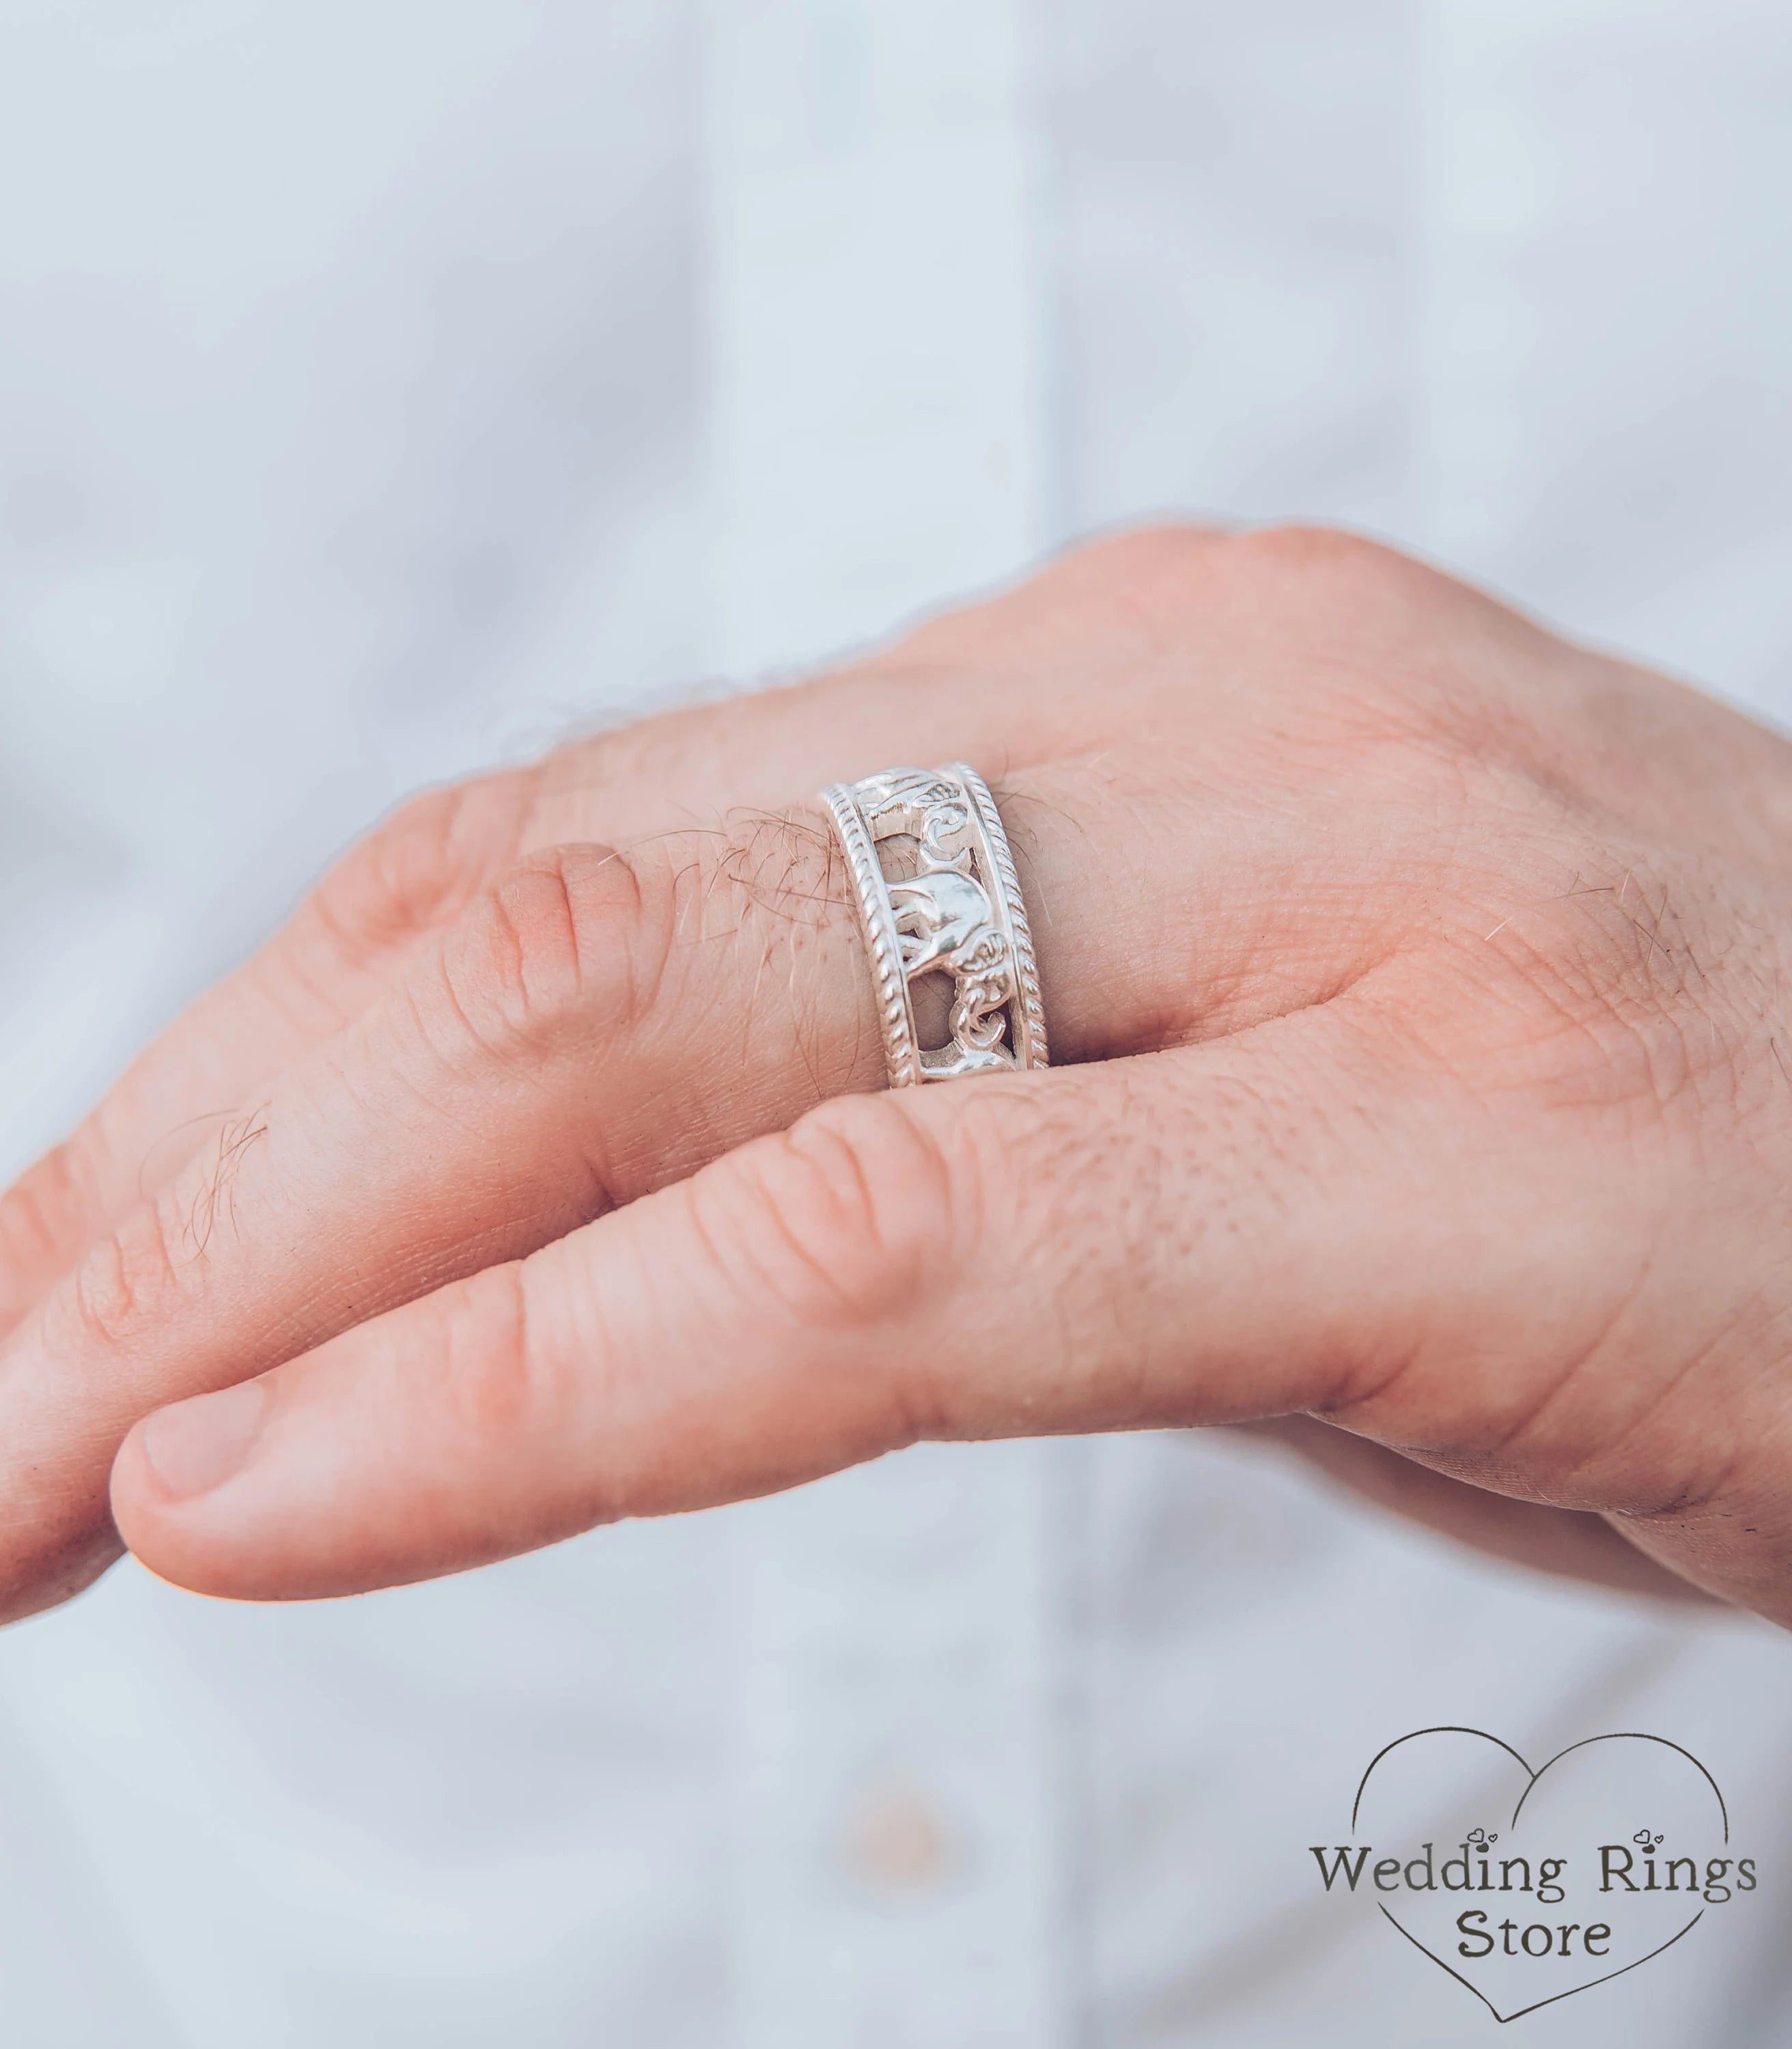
1539, 1883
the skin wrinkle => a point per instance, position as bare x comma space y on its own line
442, 978
657, 1419
1479, 1451
1564, 1484
707, 1243
1205, 1008
498, 1387
923, 1387
497, 1390
510, 993
1593, 1016
480, 827
33, 1209
1690, 1501
550, 867
418, 869
128, 1268
1689, 1495
357, 1295
1508, 1433
1342, 982
830, 1223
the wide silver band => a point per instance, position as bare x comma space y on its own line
950, 906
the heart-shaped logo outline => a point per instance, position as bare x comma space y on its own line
1613, 1736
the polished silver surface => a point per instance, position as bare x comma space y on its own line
955, 912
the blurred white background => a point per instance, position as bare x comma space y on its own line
387, 389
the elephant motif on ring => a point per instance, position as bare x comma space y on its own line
945, 922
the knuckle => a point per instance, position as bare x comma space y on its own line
845, 1220
1374, 611
520, 1357
1374, 592
1153, 574
567, 942
129, 1280
1388, 652
1306, 545
586, 941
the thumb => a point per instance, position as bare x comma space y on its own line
1181, 1238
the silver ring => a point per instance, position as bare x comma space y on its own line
953, 907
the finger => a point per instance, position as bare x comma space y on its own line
196, 1093
1188, 1238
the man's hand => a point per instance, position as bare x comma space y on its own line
1418, 986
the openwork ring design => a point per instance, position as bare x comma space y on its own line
953, 909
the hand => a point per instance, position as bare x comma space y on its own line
1416, 981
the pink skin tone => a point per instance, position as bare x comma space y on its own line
1425, 1096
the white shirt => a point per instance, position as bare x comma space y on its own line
385, 390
